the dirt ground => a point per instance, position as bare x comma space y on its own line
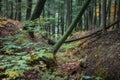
104, 56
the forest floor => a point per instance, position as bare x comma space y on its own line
100, 58
97, 59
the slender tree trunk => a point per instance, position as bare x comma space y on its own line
29, 9
118, 14
19, 10
7, 8
11, 14
0, 7
48, 16
95, 14
62, 17
103, 15
71, 27
99, 13
69, 12
108, 11
79, 26
53, 23
16, 10
115, 6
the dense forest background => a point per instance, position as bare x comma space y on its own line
56, 15
59, 39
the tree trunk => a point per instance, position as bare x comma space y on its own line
71, 27
108, 11
36, 13
69, 12
16, 10
7, 8
118, 14
0, 7
11, 14
38, 9
19, 10
99, 13
29, 9
103, 15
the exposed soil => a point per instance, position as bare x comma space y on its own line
10, 27
104, 56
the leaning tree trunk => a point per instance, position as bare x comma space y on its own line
71, 27
38, 9
36, 13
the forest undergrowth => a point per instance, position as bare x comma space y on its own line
89, 59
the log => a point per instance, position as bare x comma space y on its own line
51, 42
93, 33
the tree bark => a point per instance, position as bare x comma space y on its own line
103, 15
19, 10
38, 9
29, 9
118, 14
108, 11
69, 12
71, 27
11, 14
0, 6
36, 13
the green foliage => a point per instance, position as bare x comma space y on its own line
51, 76
70, 46
39, 21
17, 51
91, 77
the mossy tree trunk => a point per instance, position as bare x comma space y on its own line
71, 27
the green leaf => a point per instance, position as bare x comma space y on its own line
87, 77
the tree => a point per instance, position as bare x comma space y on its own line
103, 15
11, 10
108, 11
0, 6
29, 9
69, 12
19, 10
36, 13
118, 13
38, 9
71, 27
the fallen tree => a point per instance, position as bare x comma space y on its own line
51, 42
93, 33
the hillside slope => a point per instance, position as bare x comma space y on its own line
104, 57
